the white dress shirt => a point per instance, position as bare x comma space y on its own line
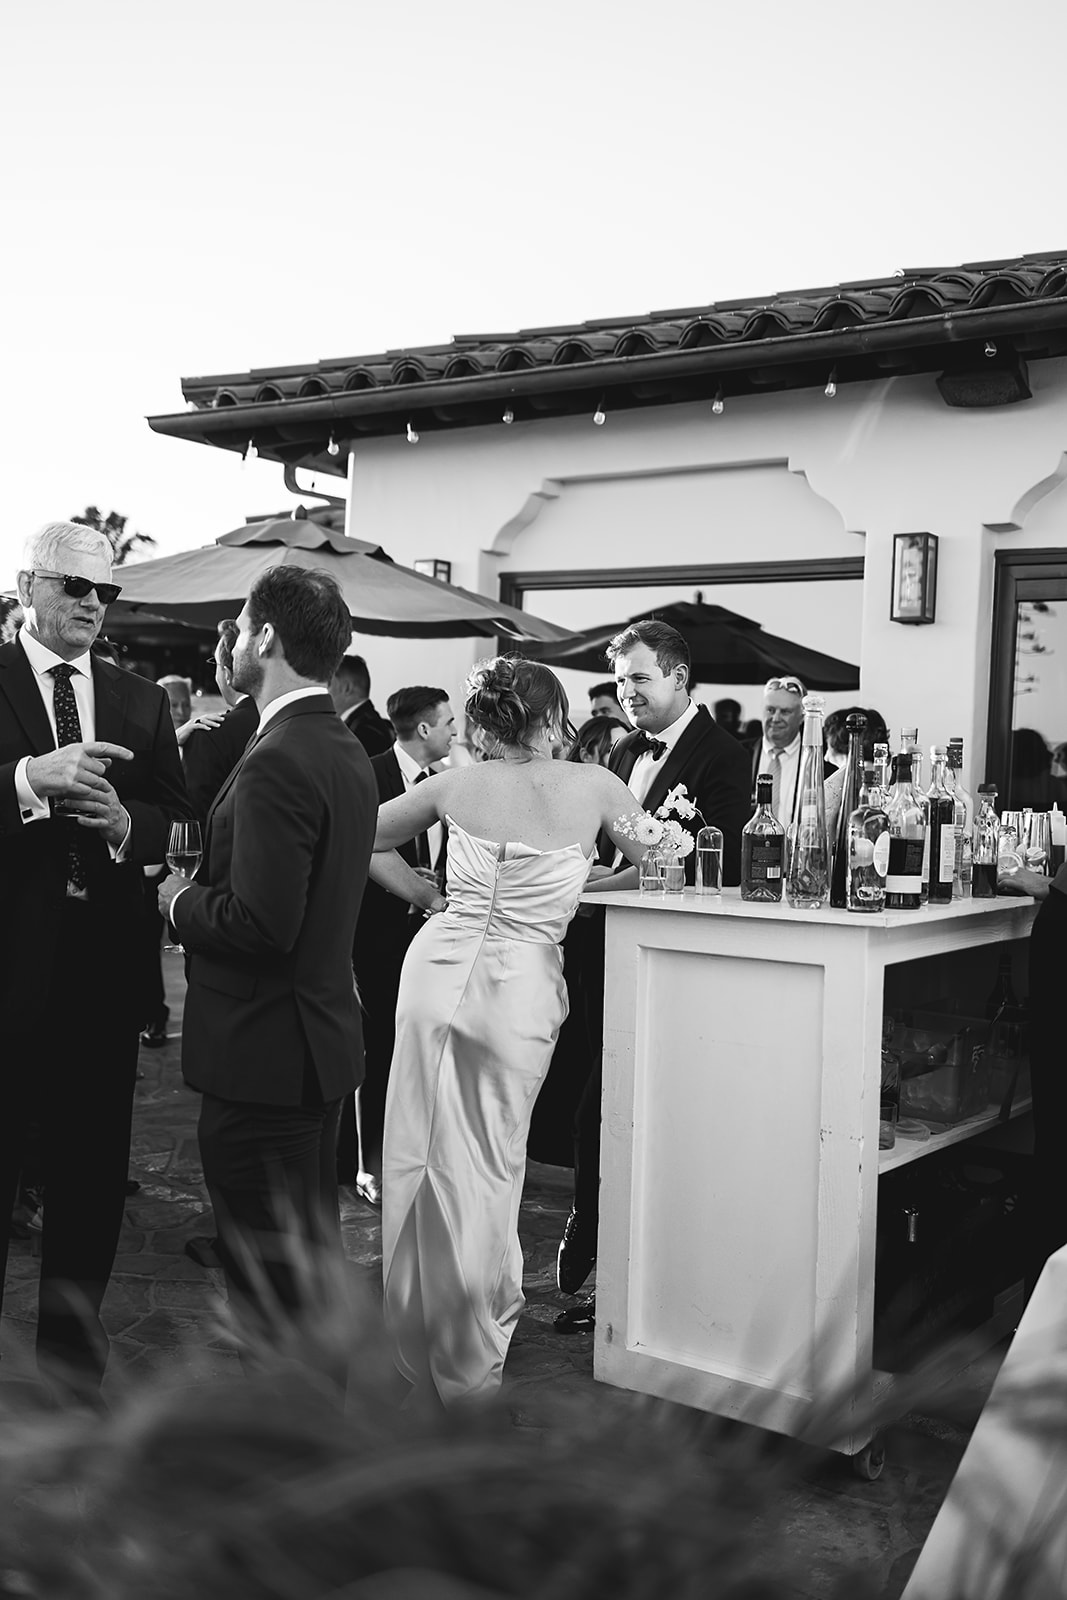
646, 766
789, 766
31, 806
409, 771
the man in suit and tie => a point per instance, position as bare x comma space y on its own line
778, 752
675, 741
272, 1035
425, 728
350, 691
89, 783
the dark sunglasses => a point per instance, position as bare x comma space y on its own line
78, 588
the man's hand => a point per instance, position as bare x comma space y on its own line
75, 772
1024, 881
102, 810
167, 890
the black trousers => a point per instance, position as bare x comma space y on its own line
590, 990
270, 1172
71, 1070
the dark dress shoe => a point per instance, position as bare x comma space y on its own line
577, 1252
155, 1035
577, 1319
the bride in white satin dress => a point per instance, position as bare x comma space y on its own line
481, 1001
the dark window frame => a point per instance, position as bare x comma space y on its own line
1019, 575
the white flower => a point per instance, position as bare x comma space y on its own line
679, 802
647, 830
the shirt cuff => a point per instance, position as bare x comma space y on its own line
31, 807
121, 851
174, 902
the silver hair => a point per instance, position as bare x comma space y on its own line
174, 677
56, 540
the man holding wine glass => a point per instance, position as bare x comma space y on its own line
90, 781
271, 1036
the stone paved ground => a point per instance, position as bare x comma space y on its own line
160, 1309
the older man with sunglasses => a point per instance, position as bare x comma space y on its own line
778, 752
89, 783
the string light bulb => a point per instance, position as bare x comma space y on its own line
412, 436
990, 348
831, 384
333, 448
509, 416
718, 405
599, 416
249, 453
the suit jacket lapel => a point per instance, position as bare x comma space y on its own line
18, 682
109, 702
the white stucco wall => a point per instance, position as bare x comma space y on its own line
776, 476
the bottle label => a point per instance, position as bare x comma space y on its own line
904, 869
948, 852
881, 854
765, 863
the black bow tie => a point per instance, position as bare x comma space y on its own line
655, 747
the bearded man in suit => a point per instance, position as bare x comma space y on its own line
272, 1036
90, 781
425, 728
675, 741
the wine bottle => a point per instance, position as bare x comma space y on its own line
856, 725
962, 882
762, 848
985, 845
808, 875
868, 849
941, 830
907, 834
909, 746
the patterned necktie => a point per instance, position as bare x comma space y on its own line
69, 731
776, 780
422, 840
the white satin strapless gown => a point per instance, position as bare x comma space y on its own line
482, 999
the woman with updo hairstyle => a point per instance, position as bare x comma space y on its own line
481, 1002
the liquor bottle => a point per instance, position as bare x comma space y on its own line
881, 769
963, 877
907, 834
808, 875
762, 848
986, 842
856, 725
868, 849
1057, 824
941, 830
909, 745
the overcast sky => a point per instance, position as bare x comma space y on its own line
232, 183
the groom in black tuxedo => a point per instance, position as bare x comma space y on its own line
425, 728
674, 742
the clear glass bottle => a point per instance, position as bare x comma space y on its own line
808, 877
762, 848
941, 830
907, 835
868, 849
909, 745
963, 880
881, 769
856, 725
986, 844
708, 878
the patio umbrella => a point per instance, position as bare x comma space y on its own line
725, 648
197, 587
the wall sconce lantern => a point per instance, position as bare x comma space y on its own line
914, 578
432, 567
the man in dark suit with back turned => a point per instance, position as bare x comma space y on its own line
675, 742
89, 783
272, 1035
425, 728
350, 691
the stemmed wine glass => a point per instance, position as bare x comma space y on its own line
185, 846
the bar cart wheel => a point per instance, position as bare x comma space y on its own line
869, 1463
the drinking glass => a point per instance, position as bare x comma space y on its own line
653, 878
185, 846
1039, 842
674, 874
709, 861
